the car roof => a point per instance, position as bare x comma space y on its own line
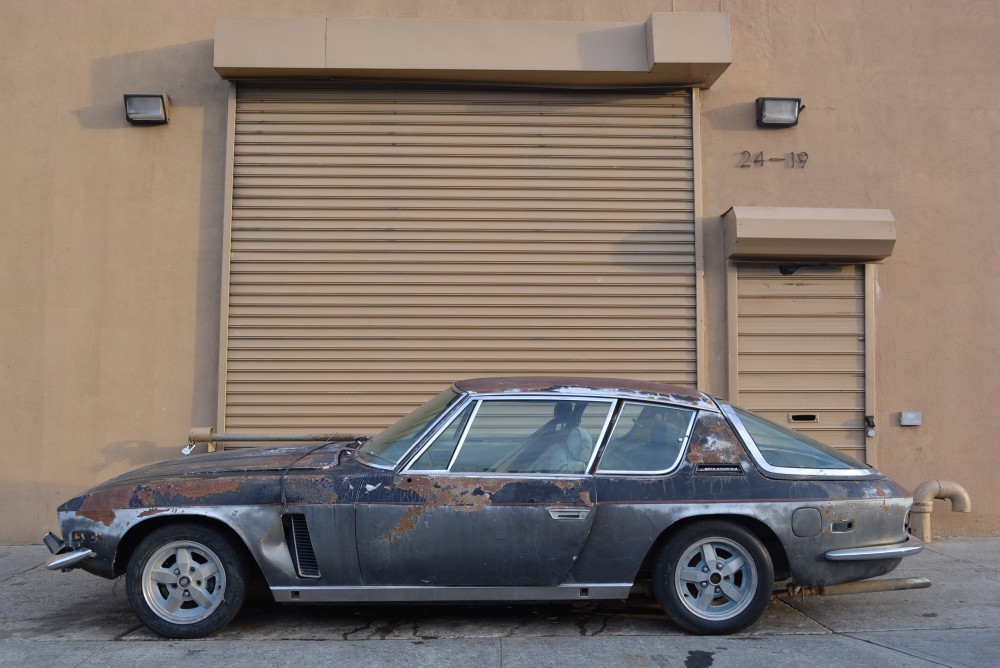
607, 387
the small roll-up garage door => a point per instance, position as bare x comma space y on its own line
801, 350
386, 243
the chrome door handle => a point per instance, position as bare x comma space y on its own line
569, 513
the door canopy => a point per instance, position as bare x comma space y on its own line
668, 49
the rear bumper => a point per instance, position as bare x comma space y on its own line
896, 551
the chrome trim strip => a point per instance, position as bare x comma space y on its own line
69, 560
907, 549
405, 594
751, 446
599, 440
461, 439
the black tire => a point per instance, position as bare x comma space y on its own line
713, 578
186, 580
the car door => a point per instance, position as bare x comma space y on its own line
501, 496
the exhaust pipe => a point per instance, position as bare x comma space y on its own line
863, 587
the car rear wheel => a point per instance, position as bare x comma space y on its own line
186, 580
714, 578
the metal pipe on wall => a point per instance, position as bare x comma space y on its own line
923, 504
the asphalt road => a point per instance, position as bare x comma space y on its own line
76, 619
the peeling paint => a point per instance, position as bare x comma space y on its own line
100, 506
713, 442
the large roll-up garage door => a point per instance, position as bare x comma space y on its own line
386, 243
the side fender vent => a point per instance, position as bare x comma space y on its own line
300, 546
718, 469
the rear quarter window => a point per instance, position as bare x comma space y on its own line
784, 447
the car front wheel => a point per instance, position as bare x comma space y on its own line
186, 580
714, 578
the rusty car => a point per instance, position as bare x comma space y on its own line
498, 490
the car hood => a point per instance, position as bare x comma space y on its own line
257, 460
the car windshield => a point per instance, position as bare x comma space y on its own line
781, 446
388, 447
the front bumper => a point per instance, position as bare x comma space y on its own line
64, 559
897, 551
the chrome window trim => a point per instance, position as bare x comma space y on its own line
461, 439
680, 454
480, 399
755, 453
434, 428
432, 435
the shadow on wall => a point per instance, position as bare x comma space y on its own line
614, 49
185, 73
134, 453
739, 117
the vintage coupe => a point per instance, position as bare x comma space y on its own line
500, 489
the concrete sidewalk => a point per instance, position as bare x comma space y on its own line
77, 619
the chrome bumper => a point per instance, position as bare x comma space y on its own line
62, 559
896, 551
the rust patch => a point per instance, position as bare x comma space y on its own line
569, 484
464, 494
196, 489
102, 506
475, 492
311, 488
713, 442
406, 523
145, 496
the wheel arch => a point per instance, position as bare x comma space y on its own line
763, 533
130, 541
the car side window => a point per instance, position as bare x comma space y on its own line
438, 455
646, 439
531, 436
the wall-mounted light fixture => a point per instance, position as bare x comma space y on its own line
778, 112
147, 109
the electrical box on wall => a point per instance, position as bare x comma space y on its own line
911, 419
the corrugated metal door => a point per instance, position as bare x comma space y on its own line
801, 350
387, 243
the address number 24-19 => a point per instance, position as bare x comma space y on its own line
790, 159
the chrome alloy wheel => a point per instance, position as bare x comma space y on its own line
716, 579
183, 582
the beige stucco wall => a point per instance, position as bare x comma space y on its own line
110, 235
902, 113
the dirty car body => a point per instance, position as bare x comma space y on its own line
502, 489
